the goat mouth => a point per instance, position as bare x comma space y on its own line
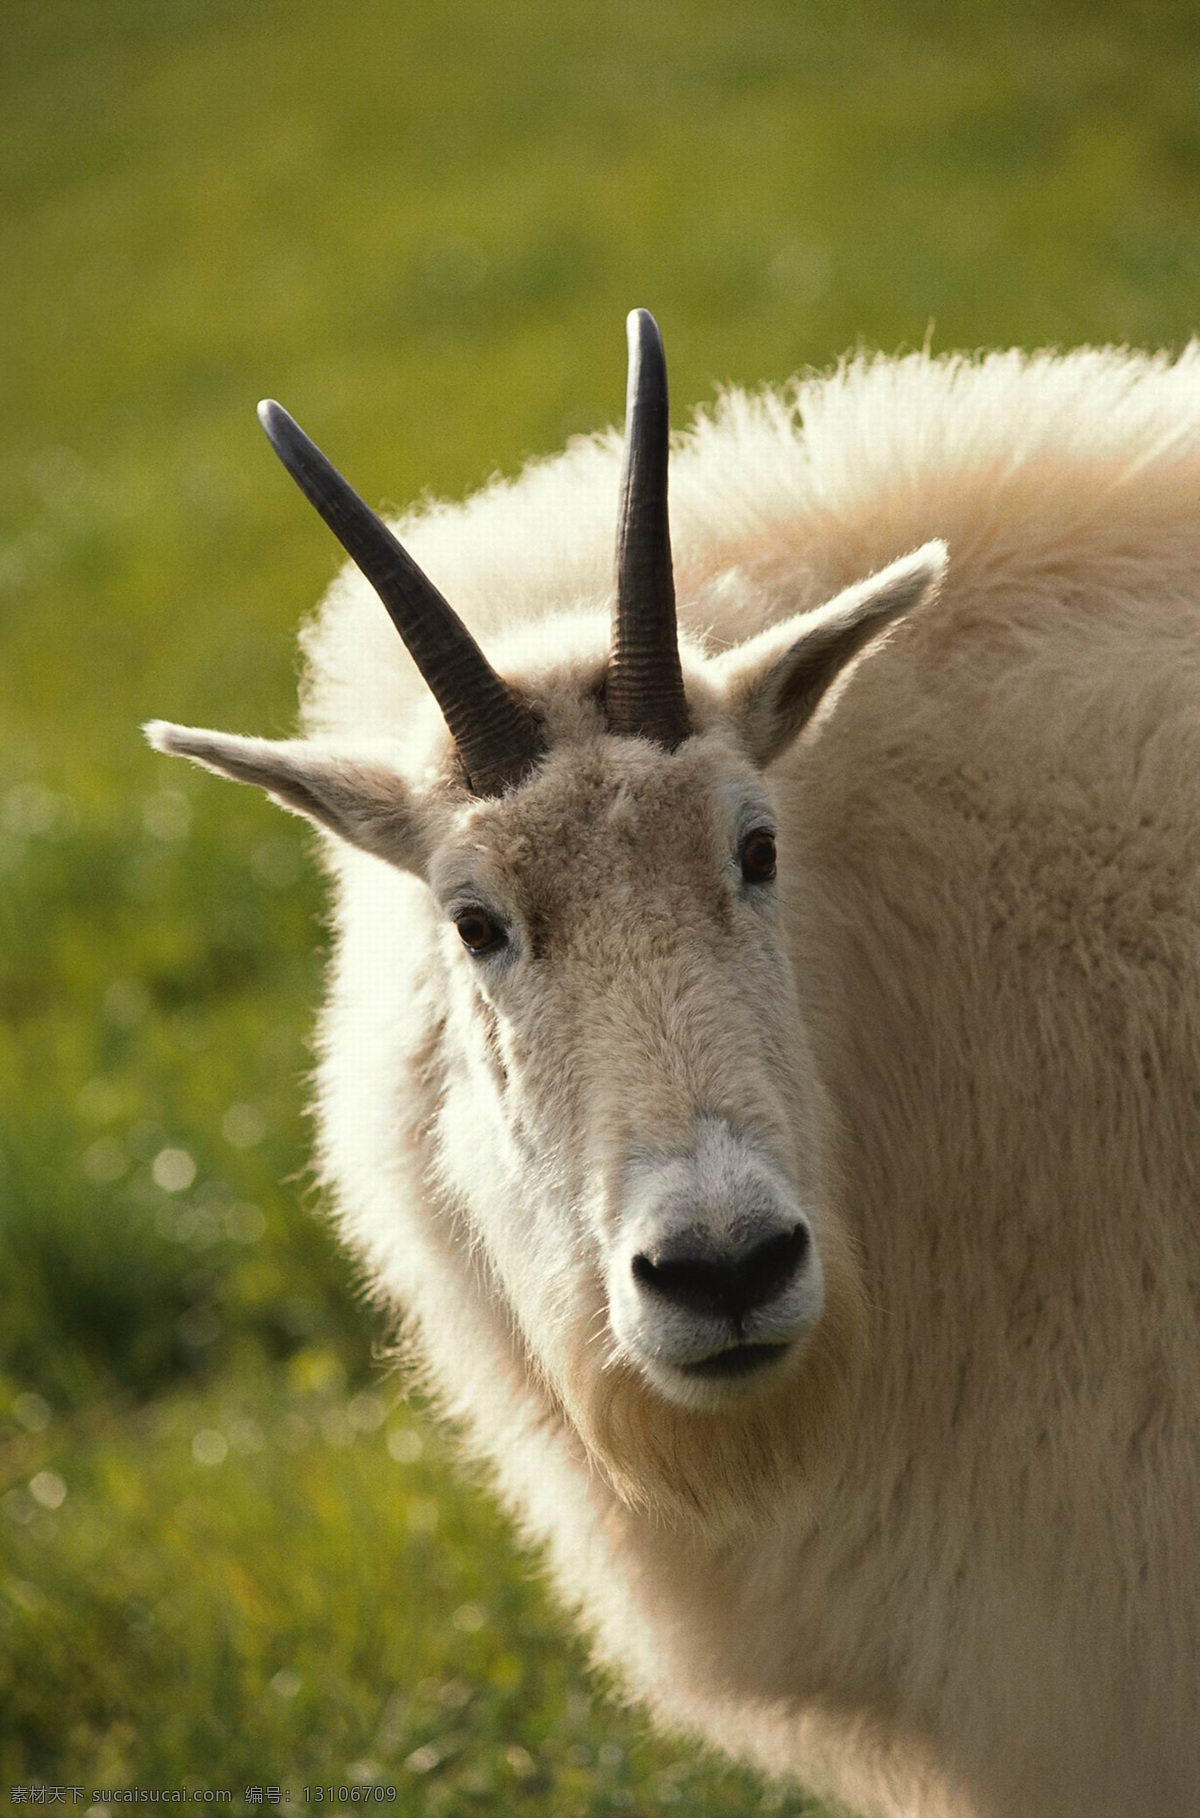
739, 1360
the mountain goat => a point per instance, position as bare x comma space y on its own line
768, 1080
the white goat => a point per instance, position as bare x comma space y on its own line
815, 1259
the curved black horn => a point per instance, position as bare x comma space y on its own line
644, 691
497, 737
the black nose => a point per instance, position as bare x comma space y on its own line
730, 1284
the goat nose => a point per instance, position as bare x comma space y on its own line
733, 1285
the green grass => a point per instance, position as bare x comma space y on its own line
420, 228
272, 1586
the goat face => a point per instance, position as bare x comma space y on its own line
627, 1027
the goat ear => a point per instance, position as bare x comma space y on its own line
775, 682
362, 800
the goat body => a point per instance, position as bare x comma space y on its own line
944, 1559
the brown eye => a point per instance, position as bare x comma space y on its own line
758, 857
479, 932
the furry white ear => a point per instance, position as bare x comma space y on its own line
362, 800
775, 682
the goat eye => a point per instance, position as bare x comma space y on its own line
479, 932
758, 857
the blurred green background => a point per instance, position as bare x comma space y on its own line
230, 1554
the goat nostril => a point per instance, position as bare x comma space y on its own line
730, 1285
780, 1256
644, 1270
692, 1281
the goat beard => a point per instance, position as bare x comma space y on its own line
731, 1470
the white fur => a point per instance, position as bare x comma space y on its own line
944, 1558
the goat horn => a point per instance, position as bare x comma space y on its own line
497, 737
644, 688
